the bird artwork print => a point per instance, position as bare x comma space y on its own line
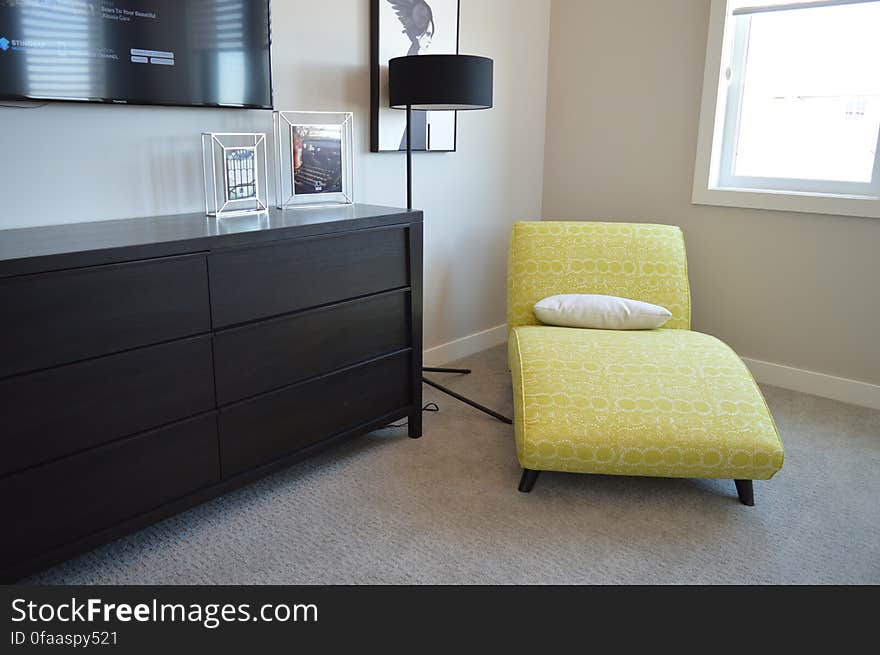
417, 19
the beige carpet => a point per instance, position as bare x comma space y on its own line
444, 509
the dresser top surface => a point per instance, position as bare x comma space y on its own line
33, 249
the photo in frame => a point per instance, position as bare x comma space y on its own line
314, 158
401, 28
241, 173
317, 159
235, 167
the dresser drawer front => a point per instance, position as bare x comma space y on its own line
56, 318
58, 503
64, 410
264, 429
271, 354
255, 283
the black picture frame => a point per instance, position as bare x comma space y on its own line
375, 77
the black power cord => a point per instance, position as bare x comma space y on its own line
429, 407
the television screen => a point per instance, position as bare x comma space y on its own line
156, 52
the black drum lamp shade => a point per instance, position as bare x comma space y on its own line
437, 83
440, 82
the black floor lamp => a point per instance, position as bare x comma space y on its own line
440, 83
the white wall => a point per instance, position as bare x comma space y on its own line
624, 103
69, 163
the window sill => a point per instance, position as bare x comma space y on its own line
813, 203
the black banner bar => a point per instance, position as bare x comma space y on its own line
283, 619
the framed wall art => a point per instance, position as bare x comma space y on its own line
236, 173
402, 28
314, 158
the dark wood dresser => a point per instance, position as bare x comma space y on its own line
149, 364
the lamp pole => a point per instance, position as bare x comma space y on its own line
409, 157
429, 369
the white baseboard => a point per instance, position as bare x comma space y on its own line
466, 346
854, 392
816, 384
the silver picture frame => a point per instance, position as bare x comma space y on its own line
314, 158
235, 166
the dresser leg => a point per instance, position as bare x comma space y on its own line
414, 424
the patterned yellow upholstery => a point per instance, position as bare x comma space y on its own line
668, 402
638, 261
671, 403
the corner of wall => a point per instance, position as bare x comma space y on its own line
553, 11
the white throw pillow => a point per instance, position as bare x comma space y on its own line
582, 310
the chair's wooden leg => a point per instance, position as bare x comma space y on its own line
746, 492
529, 477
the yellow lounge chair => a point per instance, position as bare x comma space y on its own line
668, 402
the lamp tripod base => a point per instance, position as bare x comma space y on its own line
458, 396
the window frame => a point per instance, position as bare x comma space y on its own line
714, 182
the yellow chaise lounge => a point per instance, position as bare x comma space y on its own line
669, 402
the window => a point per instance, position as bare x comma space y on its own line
791, 107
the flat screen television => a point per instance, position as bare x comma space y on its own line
204, 53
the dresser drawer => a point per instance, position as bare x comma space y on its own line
261, 430
263, 356
60, 502
56, 318
64, 410
255, 283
